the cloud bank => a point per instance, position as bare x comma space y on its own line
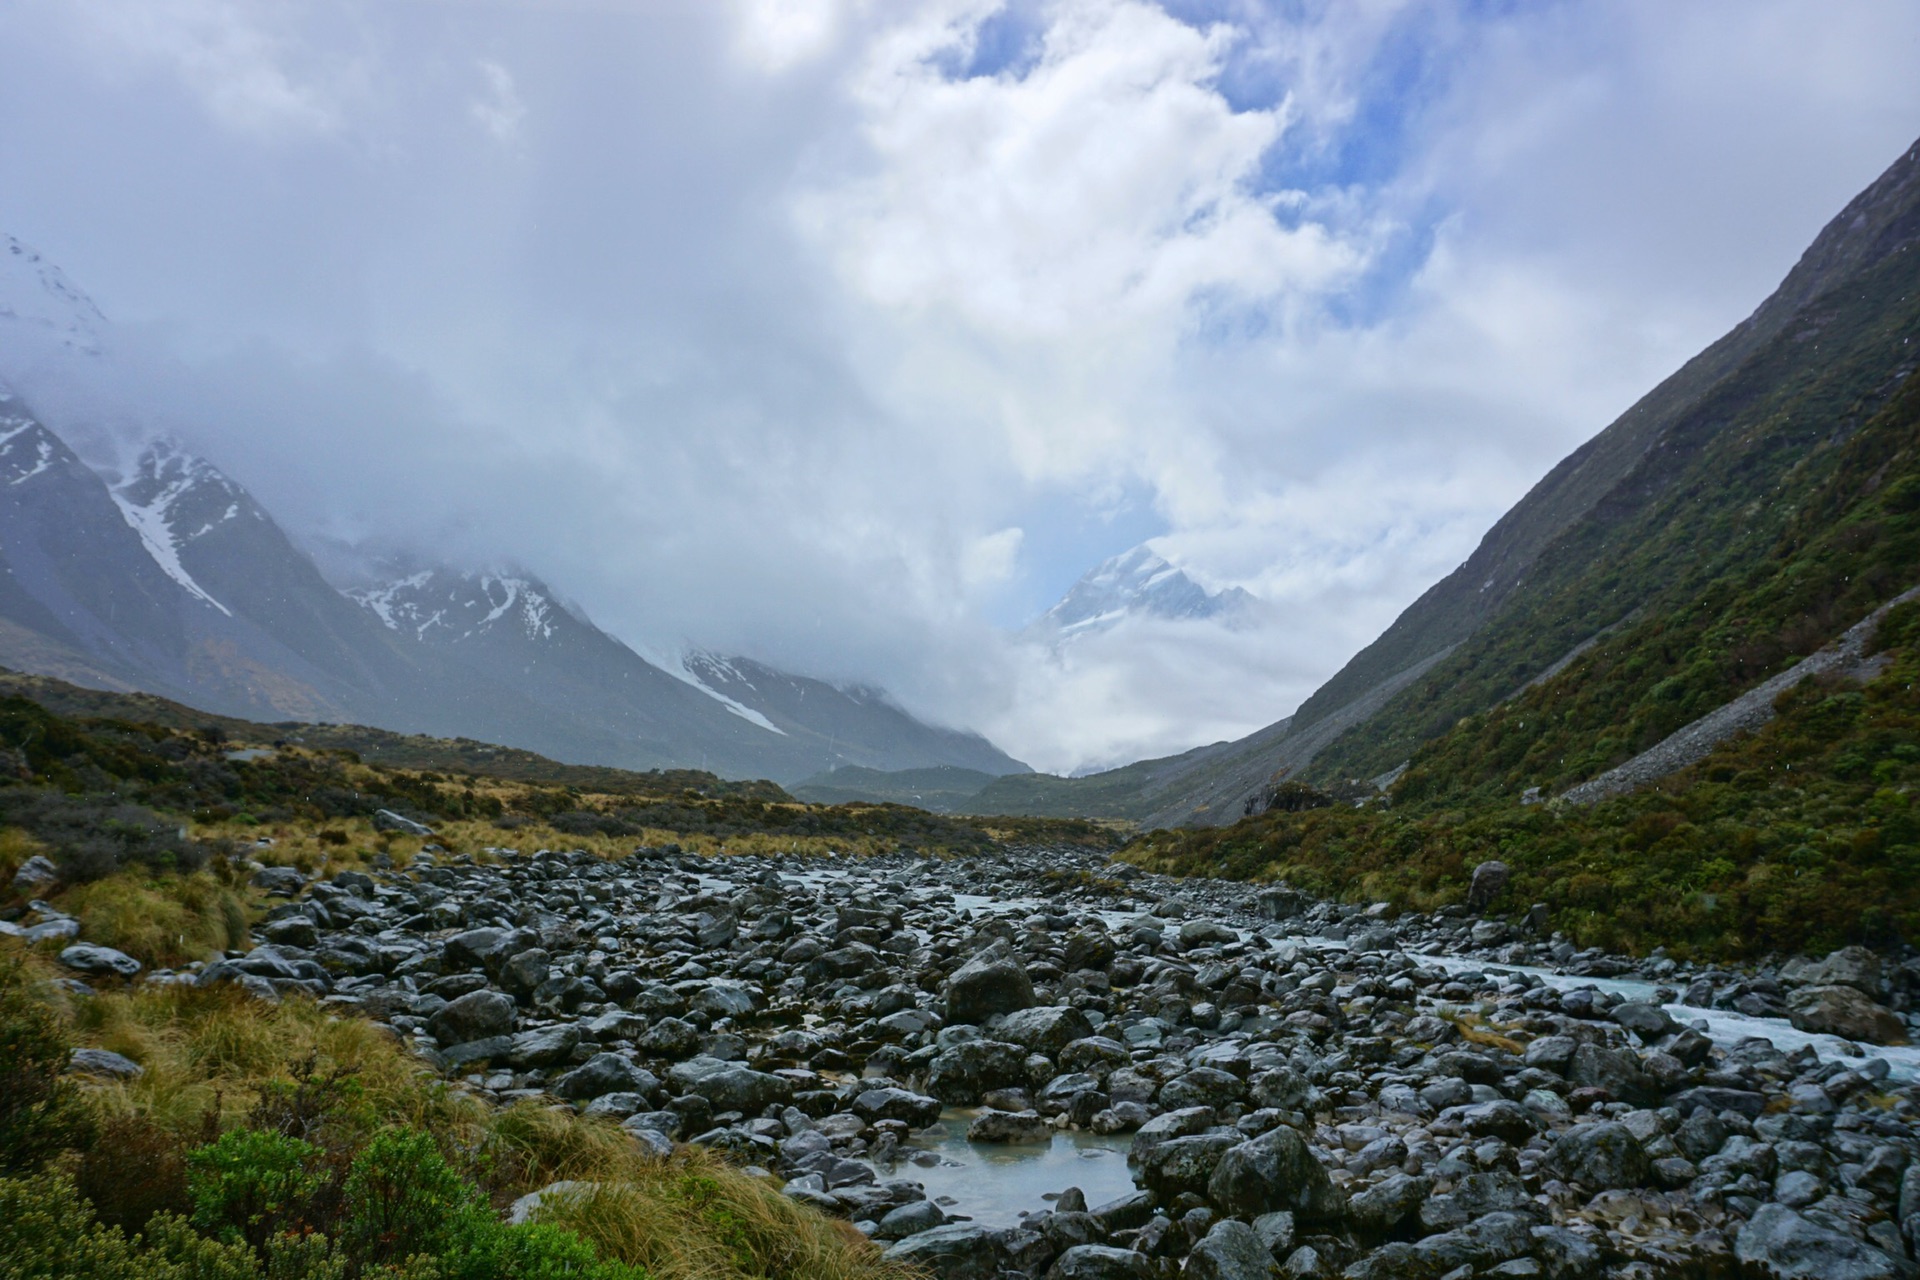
847, 335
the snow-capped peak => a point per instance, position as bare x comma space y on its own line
1133, 583
38, 296
173, 498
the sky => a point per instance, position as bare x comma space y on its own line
847, 334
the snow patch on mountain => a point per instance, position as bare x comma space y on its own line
697, 668
1135, 583
439, 604
165, 479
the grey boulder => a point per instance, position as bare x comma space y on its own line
89, 958
478, 1015
1781, 1243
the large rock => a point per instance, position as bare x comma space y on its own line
1780, 1243
1854, 967
1601, 1157
1099, 1262
1009, 1126
1274, 1171
605, 1073
35, 876
1618, 1071
888, 1103
1045, 1029
388, 820
1843, 1011
956, 1251
545, 1047
992, 982
280, 881
105, 1064
1178, 1165
1230, 1251
960, 1075
482, 950
1489, 882
743, 1089
477, 1015
88, 958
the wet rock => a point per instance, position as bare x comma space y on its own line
1648, 1021
910, 1219
1601, 1156
1009, 1126
1275, 1171
735, 1088
1099, 1262
1047, 1029
1846, 1012
960, 1075
1386, 1206
85, 957
1231, 1251
889, 1103
955, 1251
1783, 1244
605, 1073
475, 1016
1854, 967
1180, 1166
544, 1047
989, 983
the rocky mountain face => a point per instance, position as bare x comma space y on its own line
1136, 583
1657, 572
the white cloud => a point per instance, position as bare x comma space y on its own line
825, 331
238, 59
499, 109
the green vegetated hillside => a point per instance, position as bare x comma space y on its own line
1776, 513
1800, 837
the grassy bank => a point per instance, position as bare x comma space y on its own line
280, 1141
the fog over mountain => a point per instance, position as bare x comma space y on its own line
849, 339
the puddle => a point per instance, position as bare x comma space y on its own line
994, 1183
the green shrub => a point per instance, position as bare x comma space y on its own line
40, 1111
253, 1185
402, 1198
48, 1232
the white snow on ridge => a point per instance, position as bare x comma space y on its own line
156, 534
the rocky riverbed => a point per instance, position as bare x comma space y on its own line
1253, 1083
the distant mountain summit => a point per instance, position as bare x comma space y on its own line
1136, 583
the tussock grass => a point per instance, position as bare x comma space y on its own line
211, 1055
692, 1217
162, 921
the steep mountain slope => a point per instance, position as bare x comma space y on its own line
1640, 551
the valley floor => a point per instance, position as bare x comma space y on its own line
659, 1053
